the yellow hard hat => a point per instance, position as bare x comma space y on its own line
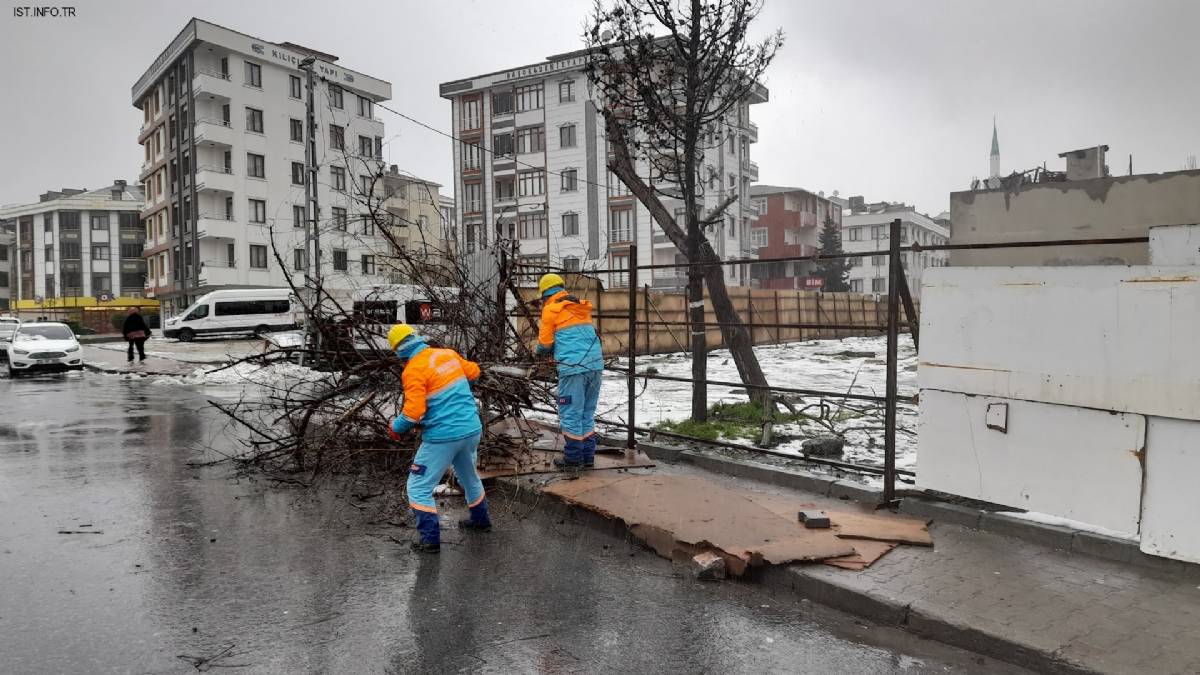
397, 333
549, 281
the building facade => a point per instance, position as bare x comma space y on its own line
224, 150
414, 210
530, 170
789, 224
7, 238
867, 228
73, 244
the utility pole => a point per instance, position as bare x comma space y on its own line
312, 211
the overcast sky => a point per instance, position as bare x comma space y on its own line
890, 99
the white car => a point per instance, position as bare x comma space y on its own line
8, 326
43, 346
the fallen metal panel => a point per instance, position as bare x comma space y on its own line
533, 461
853, 524
1104, 337
1172, 501
1075, 463
866, 553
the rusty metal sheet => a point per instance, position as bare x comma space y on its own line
866, 553
535, 461
853, 524
699, 514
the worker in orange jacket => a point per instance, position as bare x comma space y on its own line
437, 396
566, 332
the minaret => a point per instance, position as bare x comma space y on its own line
995, 152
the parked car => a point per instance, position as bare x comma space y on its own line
235, 312
43, 347
8, 326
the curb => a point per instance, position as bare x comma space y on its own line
821, 586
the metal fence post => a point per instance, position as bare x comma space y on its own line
895, 269
630, 376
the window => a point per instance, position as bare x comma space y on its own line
131, 251
99, 221
340, 220
366, 146
258, 260
878, 285
297, 173
566, 136
758, 237
620, 225
101, 283
337, 137
339, 260
529, 97
854, 234
531, 139
570, 224
472, 154
294, 88
570, 181
67, 221
566, 91
570, 264
502, 145
532, 183
335, 96
620, 279
254, 120
471, 117
472, 197
533, 225
368, 264
244, 307
254, 75
298, 216
505, 189
368, 225
904, 235
729, 135
379, 147
877, 232
502, 103
364, 107
615, 187
100, 251
423, 223
69, 250
299, 259
297, 128
856, 285
856, 262
256, 165
49, 254
879, 260
337, 177
258, 211
365, 184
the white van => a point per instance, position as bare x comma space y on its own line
236, 312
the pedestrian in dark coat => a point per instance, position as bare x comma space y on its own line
136, 331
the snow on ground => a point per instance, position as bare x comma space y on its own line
1047, 519
817, 364
197, 351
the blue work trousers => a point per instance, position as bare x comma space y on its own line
430, 464
578, 395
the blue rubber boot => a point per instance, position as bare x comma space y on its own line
430, 531
479, 521
574, 455
589, 451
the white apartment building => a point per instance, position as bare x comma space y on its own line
530, 167
73, 244
224, 151
7, 237
867, 228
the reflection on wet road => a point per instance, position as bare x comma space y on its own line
117, 556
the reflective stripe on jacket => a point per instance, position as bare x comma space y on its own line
567, 330
437, 394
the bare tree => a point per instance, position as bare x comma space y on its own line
665, 99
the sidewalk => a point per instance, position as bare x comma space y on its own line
1013, 599
112, 361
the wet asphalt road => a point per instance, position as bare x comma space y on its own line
165, 565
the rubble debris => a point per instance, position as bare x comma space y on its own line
814, 520
708, 566
823, 446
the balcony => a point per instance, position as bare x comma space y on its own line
752, 171
213, 84
752, 132
216, 178
213, 132
213, 226
218, 273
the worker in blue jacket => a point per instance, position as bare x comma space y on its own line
438, 397
567, 332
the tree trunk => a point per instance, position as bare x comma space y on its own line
733, 330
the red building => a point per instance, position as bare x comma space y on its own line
789, 224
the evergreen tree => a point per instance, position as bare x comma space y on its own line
836, 271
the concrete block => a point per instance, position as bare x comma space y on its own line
1100, 546
942, 512
1047, 535
661, 452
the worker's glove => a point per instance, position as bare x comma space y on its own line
393, 435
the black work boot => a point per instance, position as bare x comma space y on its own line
422, 547
479, 521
